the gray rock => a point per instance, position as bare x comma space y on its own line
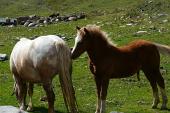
141, 32
3, 57
115, 112
32, 25
10, 109
72, 18
27, 23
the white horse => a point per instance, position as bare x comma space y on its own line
38, 61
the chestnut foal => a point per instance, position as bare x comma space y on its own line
108, 61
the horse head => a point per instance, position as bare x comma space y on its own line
81, 42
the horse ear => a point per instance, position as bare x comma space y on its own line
86, 31
77, 27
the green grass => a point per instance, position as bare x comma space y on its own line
124, 95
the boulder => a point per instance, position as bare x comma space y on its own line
81, 16
3, 57
10, 109
21, 20
32, 25
27, 23
72, 18
115, 112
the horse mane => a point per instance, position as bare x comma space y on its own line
96, 32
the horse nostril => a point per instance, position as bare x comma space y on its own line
71, 49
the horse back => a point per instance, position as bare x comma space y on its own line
35, 60
125, 61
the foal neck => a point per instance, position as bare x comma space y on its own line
100, 48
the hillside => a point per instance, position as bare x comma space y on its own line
123, 21
44, 7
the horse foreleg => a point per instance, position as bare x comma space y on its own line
50, 96
103, 95
30, 93
98, 87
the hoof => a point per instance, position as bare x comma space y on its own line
22, 108
29, 109
97, 111
154, 107
164, 108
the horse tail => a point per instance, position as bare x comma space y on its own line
164, 49
65, 63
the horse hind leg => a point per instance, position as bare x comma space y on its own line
30, 93
161, 84
152, 81
21, 92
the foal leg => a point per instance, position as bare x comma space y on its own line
161, 84
98, 86
103, 95
50, 96
30, 93
153, 84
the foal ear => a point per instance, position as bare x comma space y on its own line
86, 31
77, 27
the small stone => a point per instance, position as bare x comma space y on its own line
32, 25
10, 109
141, 32
72, 18
3, 57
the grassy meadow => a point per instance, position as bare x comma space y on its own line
121, 19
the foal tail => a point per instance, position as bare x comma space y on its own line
164, 49
64, 58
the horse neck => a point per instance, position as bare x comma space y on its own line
98, 50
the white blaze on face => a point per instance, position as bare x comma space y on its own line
77, 40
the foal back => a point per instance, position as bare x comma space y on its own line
128, 60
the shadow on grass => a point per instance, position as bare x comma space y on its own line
168, 109
43, 110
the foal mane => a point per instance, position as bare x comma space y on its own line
97, 33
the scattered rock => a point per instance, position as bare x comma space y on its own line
162, 15
141, 32
130, 24
27, 23
164, 21
22, 19
32, 25
115, 112
72, 18
10, 109
3, 57
34, 20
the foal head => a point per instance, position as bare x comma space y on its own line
81, 42
86, 38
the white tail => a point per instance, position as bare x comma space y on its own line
65, 78
164, 49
